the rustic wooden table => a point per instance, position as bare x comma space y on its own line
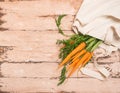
29, 54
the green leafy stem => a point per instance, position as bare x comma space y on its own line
58, 23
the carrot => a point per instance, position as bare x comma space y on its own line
73, 64
79, 54
87, 59
78, 48
87, 54
76, 59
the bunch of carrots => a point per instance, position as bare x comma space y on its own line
79, 56
76, 51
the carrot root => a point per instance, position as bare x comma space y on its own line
79, 54
79, 63
73, 64
87, 59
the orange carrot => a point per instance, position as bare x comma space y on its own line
87, 59
78, 48
73, 64
87, 54
79, 54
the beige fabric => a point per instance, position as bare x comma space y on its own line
100, 19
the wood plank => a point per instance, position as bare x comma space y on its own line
31, 38
83, 85
54, 7
29, 70
48, 70
35, 23
29, 54
33, 70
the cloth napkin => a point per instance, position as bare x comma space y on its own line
100, 19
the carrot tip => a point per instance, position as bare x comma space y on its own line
69, 75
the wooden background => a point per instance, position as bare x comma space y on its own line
29, 54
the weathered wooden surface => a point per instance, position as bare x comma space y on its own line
81, 85
29, 54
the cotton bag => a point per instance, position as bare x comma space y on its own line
100, 19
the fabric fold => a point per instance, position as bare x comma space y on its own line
100, 19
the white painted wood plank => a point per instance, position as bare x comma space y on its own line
31, 38
31, 54
33, 70
15, 22
29, 70
42, 7
49, 70
83, 85
32, 46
